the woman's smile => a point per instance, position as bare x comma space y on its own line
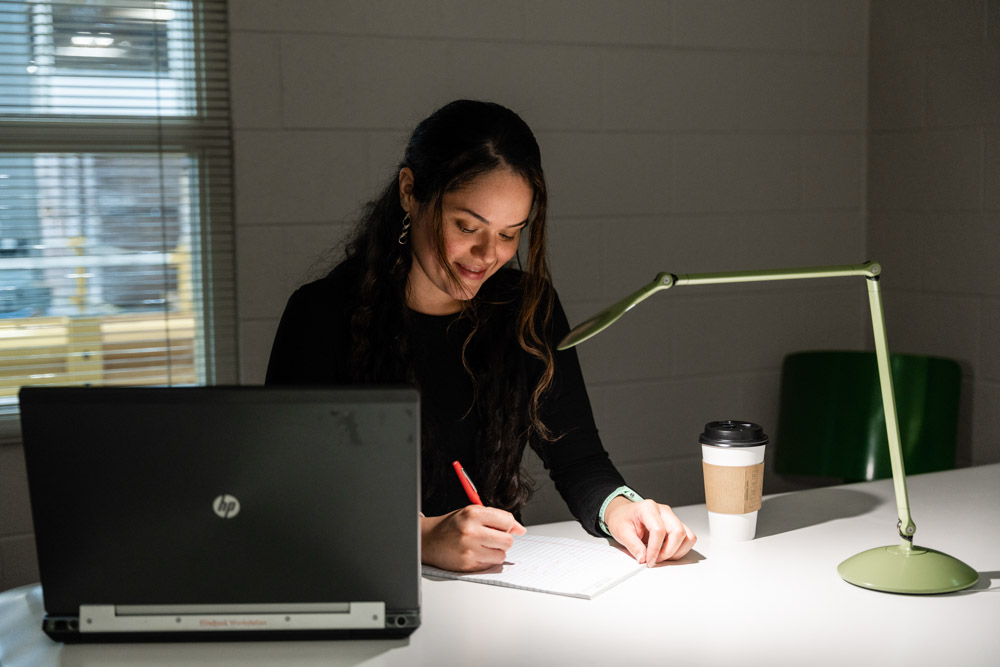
472, 274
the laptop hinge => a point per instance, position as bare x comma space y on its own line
187, 618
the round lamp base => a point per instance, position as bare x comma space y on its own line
907, 569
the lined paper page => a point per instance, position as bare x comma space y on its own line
553, 565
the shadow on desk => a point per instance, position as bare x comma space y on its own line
251, 654
792, 511
690, 558
24, 644
984, 585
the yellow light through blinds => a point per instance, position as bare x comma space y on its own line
115, 195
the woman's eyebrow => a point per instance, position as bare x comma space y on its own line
484, 220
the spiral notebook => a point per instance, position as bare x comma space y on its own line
557, 565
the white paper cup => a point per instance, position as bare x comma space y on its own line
732, 460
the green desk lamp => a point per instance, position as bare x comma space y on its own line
902, 568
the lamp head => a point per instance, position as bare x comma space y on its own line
610, 315
591, 327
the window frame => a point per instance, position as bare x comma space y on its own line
205, 136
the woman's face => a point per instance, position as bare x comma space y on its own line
481, 226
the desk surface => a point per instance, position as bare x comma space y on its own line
776, 600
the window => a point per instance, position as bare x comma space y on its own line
115, 195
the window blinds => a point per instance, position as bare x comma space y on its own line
116, 240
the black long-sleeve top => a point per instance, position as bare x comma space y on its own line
312, 346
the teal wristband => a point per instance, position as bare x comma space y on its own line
620, 491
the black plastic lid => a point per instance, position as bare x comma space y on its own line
733, 433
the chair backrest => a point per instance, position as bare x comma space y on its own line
831, 422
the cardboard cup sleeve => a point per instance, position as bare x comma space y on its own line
733, 489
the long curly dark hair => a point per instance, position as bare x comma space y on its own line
450, 148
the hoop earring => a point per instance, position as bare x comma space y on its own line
406, 230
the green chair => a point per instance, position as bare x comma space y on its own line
831, 422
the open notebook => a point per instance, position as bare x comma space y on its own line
556, 565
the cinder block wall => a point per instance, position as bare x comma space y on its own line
682, 135
934, 193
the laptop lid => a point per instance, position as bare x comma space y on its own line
233, 510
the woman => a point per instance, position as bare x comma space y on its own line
423, 297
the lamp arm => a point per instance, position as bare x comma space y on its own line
869, 270
906, 526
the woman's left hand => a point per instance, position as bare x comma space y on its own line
650, 531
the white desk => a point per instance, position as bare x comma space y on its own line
775, 601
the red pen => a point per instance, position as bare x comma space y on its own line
470, 488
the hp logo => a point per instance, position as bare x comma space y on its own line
226, 506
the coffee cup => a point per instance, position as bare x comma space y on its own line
733, 465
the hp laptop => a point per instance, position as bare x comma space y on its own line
225, 512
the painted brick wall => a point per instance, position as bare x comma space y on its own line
685, 135
934, 193
680, 135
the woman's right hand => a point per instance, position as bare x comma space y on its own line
469, 539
